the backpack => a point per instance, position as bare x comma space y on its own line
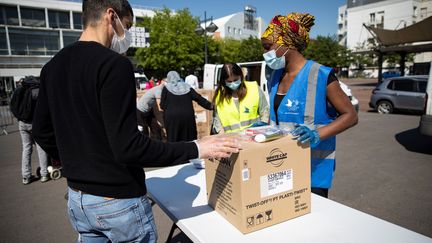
22, 103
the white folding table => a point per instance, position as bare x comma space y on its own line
180, 191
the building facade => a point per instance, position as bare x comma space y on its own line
33, 31
239, 25
386, 14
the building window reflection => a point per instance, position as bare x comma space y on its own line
3, 43
9, 15
70, 37
59, 19
33, 17
34, 42
77, 21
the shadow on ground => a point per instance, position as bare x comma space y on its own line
413, 141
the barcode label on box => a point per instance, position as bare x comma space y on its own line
276, 182
245, 174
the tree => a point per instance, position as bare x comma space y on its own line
327, 51
173, 43
250, 50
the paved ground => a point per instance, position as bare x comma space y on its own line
384, 169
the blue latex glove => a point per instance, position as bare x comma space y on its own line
259, 124
303, 134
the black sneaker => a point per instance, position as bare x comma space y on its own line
28, 180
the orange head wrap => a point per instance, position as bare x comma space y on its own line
291, 31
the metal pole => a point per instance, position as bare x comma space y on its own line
205, 36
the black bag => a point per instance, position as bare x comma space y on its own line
22, 103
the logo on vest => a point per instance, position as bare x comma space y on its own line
246, 110
276, 157
292, 106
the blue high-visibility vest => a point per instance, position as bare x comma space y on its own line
305, 103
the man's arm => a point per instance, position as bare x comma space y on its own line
118, 102
43, 129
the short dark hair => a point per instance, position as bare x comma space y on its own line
92, 9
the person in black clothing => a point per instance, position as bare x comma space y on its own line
179, 114
85, 116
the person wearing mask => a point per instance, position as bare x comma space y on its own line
239, 103
179, 114
192, 80
305, 96
86, 115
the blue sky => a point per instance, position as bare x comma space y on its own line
325, 11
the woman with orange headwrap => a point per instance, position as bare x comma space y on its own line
304, 96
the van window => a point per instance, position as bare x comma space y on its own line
403, 85
253, 72
422, 86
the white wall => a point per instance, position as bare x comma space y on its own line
394, 12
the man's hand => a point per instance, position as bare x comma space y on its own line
218, 146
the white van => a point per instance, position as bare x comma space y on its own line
256, 71
140, 80
425, 126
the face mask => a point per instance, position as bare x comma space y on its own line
233, 85
121, 44
273, 61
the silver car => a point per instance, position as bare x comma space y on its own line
399, 93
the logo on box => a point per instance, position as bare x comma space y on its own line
276, 157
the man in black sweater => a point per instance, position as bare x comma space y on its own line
86, 117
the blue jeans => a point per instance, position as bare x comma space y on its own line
99, 219
27, 146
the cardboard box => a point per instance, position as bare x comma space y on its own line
203, 117
264, 184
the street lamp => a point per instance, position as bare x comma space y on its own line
200, 30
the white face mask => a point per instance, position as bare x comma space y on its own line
121, 44
273, 61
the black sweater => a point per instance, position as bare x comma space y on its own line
85, 116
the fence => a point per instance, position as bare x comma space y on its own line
6, 118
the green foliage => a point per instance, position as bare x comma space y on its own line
251, 50
174, 44
327, 51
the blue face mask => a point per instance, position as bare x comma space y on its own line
233, 85
273, 61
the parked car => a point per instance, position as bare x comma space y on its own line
399, 93
425, 126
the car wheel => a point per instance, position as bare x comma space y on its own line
384, 107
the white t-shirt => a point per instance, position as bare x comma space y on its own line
192, 80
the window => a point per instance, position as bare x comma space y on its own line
34, 42
33, 17
139, 20
58, 19
3, 44
423, 12
70, 37
77, 21
372, 17
9, 15
403, 85
229, 29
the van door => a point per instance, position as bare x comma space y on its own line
209, 76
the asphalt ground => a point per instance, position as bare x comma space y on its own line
383, 168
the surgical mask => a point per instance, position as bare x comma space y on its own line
121, 44
273, 61
233, 85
